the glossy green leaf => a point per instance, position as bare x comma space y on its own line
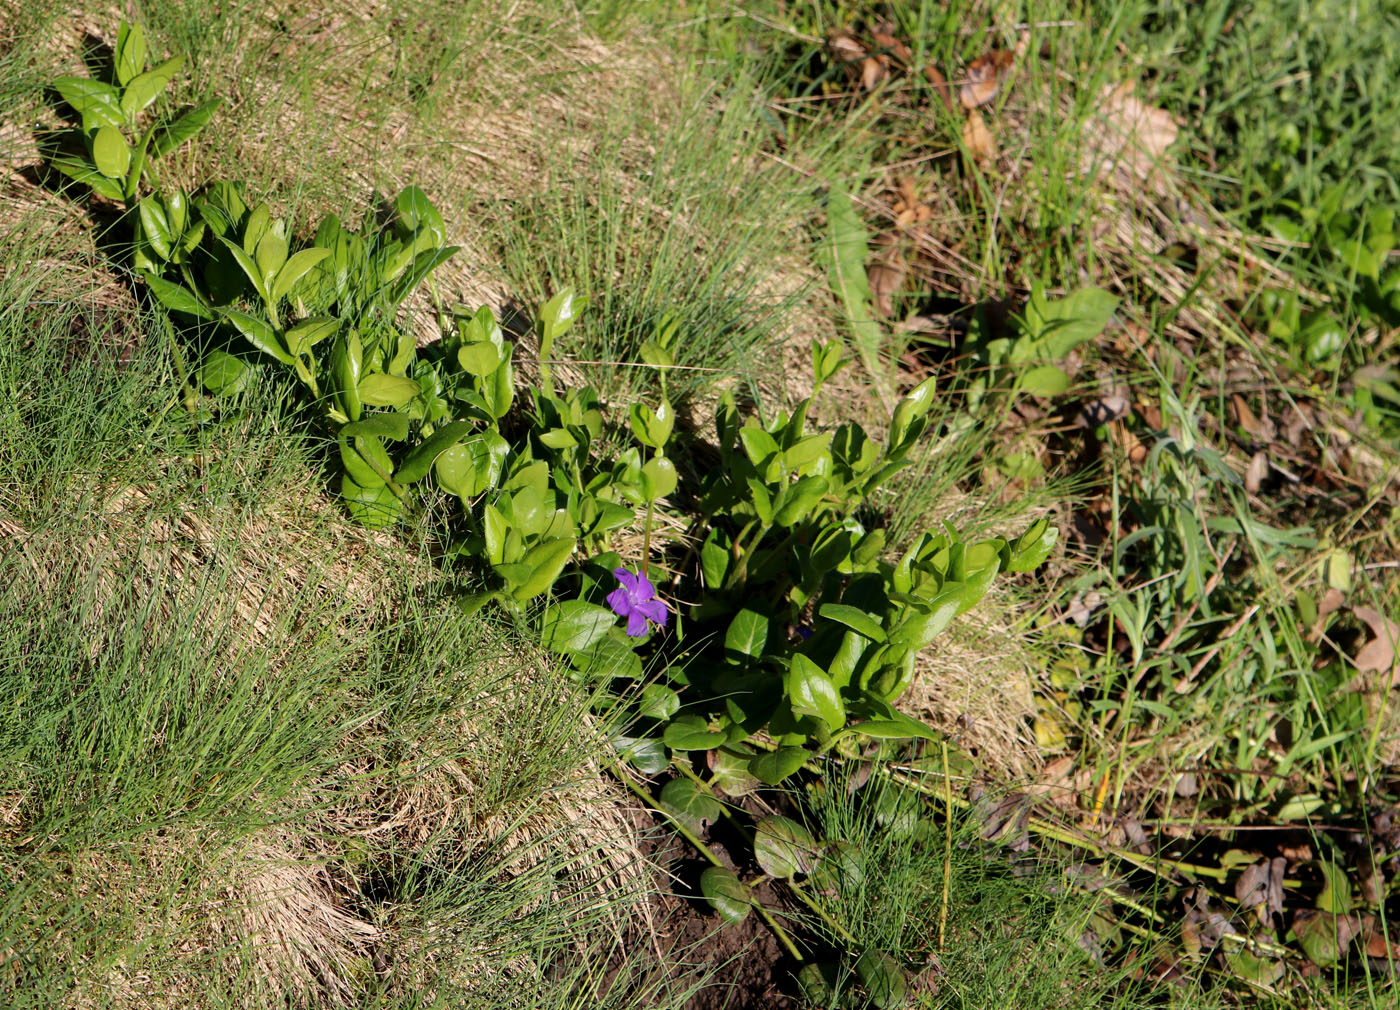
574, 625
646, 754
373, 507
659, 478
812, 692
691, 734
259, 334
1054, 328
480, 357
366, 461
381, 390
657, 701
184, 128
84, 172
747, 634
130, 52
546, 560
223, 374
726, 893
419, 463
854, 618
110, 152
176, 298
1043, 380
310, 332
901, 728
1031, 548
155, 227
774, 766
714, 561
385, 424
417, 213
294, 269
96, 101
801, 498
423, 264
758, 444
690, 805
143, 88
246, 264
784, 848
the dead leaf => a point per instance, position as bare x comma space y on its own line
1255, 473
1101, 411
885, 277
984, 76
977, 138
940, 85
1377, 655
1262, 431
1128, 136
873, 71
1252, 890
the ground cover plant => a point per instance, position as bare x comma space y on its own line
669, 524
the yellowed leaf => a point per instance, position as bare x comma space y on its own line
977, 138
983, 77
1377, 655
1128, 136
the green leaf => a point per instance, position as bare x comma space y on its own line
1053, 329
774, 766
95, 101
726, 893
270, 256
758, 444
131, 52
714, 561
293, 270
574, 625
223, 374
383, 425
854, 618
848, 246
646, 754
902, 727
1032, 547
1335, 897
366, 461
310, 332
480, 357
373, 507
800, 499
783, 848
811, 692
246, 264
155, 227
1043, 380
747, 633
690, 805
883, 979
807, 451
911, 409
659, 478
258, 333
658, 701
184, 128
144, 88
423, 264
110, 152
820, 983
691, 733
419, 462
176, 298
545, 560
417, 213
85, 173
472, 467
652, 427
381, 390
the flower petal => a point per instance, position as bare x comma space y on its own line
636, 624
644, 590
620, 602
628, 580
653, 610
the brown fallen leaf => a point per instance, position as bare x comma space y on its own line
1252, 890
983, 77
940, 85
1378, 655
874, 70
978, 139
1128, 136
1255, 473
1262, 431
885, 277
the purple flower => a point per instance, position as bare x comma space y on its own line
637, 602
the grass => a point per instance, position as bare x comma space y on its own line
230, 714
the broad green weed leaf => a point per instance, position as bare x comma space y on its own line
310, 332
691, 733
784, 848
131, 52
480, 357
381, 390
271, 254
293, 269
373, 507
659, 478
1054, 328
546, 560
155, 228
386, 424
747, 633
574, 625
85, 173
246, 264
417, 213
259, 334
690, 805
883, 979
854, 618
110, 152
658, 701
184, 128
774, 766
176, 297
366, 461
420, 461
1043, 380
223, 374
96, 101
758, 445
646, 754
1032, 547
144, 88
811, 692
726, 893
800, 499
